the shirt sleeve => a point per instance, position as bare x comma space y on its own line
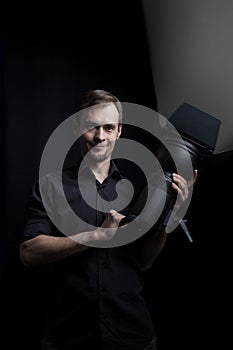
38, 221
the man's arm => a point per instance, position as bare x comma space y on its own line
152, 247
153, 243
44, 249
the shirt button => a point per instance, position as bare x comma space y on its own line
105, 264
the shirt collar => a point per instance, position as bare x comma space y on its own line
85, 171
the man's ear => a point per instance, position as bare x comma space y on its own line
195, 173
119, 130
194, 178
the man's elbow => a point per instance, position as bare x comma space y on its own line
25, 254
145, 267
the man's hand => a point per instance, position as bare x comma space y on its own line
180, 185
109, 227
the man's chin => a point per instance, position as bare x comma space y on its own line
98, 156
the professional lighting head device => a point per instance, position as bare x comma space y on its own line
198, 130
199, 133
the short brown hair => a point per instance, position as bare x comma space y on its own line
95, 97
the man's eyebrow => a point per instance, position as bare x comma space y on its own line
110, 124
89, 122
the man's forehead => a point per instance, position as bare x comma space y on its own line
103, 114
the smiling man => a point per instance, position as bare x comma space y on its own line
93, 295
100, 129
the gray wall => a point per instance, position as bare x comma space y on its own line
191, 51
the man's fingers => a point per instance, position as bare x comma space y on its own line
113, 218
180, 185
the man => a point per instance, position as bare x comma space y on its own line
93, 294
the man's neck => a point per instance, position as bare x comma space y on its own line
100, 169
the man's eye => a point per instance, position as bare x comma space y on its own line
109, 127
90, 126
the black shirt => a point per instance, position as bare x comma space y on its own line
93, 297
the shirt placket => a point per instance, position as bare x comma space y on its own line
103, 277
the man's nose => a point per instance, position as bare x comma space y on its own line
99, 133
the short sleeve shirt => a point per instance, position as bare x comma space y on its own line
95, 295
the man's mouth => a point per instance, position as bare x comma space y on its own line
98, 148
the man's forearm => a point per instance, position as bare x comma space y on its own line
152, 247
45, 249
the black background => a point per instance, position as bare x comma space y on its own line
49, 58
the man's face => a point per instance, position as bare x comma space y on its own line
100, 130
